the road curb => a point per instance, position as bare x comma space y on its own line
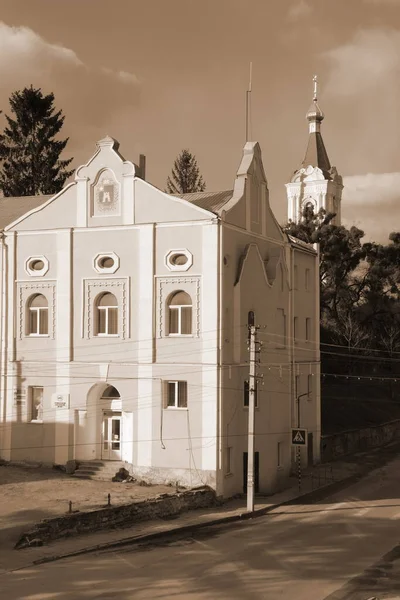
310, 497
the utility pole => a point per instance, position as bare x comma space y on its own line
252, 405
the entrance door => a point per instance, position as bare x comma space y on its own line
111, 434
256, 472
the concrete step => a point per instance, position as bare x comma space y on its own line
98, 470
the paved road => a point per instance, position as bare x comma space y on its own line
304, 552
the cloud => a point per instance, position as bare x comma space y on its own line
380, 2
30, 51
299, 10
90, 97
372, 203
34, 56
369, 59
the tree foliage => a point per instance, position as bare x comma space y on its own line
359, 292
185, 177
29, 152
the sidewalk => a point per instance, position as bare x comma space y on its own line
345, 472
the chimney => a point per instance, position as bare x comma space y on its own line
142, 167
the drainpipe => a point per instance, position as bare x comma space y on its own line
219, 225
291, 340
3, 362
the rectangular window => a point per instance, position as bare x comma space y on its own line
295, 277
36, 404
307, 280
308, 329
281, 328
298, 390
229, 464
176, 394
309, 387
295, 328
279, 455
246, 395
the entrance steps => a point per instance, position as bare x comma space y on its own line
99, 470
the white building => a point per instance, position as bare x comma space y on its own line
124, 327
316, 184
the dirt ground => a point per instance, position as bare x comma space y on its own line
30, 494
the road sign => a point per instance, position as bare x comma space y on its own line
299, 437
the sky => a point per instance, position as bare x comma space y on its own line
163, 75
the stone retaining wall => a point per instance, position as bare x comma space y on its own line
349, 442
163, 506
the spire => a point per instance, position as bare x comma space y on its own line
316, 154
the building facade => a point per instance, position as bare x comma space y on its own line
316, 184
124, 333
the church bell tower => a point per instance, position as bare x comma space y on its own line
316, 184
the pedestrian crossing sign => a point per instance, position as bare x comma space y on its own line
299, 437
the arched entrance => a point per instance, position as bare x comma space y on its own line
111, 431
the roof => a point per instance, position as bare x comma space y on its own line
316, 154
301, 244
13, 207
212, 201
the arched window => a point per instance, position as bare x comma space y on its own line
107, 314
38, 317
110, 392
180, 314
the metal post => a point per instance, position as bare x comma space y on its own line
299, 466
251, 432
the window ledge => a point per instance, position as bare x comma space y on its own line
184, 335
36, 421
176, 408
38, 335
113, 335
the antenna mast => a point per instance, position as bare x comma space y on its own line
248, 92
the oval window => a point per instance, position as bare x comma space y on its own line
178, 260
106, 262
36, 265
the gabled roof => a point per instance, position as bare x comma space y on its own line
316, 154
13, 207
212, 201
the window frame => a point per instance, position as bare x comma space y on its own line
228, 461
308, 329
177, 384
246, 394
106, 310
281, 340
31, 399
307, 279
37, 310
178, 308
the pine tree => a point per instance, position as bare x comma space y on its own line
185, 177
29, 153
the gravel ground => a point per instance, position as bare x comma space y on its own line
29, 494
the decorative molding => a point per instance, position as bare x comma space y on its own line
106, 270
120, 288
180, 251
36, 272
25, 290
191, 285
106, 195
